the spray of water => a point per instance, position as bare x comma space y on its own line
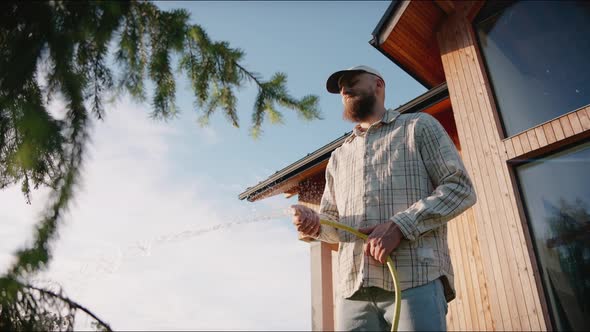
109, 264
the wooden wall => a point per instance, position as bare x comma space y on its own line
496, 274
471, 308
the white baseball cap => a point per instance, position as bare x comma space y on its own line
332, 83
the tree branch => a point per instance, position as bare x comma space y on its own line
249, 74
71, 303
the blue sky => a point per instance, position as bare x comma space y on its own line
306, 40
141, 228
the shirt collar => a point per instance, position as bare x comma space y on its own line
387, 118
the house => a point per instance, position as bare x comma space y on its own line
510, 82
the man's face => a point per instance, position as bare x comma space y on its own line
358, 95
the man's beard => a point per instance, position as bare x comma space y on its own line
359, 108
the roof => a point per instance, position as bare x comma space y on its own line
388, 42
389, 13
418, 104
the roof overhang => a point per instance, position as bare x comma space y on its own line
287, 179
406, 34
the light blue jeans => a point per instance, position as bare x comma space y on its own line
423, 308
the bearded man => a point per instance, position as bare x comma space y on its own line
399, 179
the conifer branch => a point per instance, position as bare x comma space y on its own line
73, 39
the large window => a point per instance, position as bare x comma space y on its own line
556, 195
536, 54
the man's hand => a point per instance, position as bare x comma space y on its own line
382, 240
306, 220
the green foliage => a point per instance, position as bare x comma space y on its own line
62, 48
29, 308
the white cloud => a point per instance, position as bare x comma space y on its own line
252, 276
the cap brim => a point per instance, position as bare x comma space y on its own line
332, 82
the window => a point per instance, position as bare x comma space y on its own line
556, 194
536, 54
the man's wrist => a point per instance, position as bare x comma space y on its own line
405, 226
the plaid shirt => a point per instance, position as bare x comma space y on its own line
404, 169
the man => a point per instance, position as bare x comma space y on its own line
397, 178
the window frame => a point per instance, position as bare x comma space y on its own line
525, 218
481, 15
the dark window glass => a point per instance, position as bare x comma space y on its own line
556, 195
537, 56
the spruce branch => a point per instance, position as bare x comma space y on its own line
66, 46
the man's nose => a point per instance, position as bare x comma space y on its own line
344, 90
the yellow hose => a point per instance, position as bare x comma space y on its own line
397, 301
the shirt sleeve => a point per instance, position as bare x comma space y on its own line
453, 193
328, 209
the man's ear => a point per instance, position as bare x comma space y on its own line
379, 84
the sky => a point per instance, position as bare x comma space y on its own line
157, 238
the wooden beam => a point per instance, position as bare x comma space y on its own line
446, 5
322, 289
549, 135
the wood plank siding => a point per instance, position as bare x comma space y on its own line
412, 41
571, 127
511, 299
471, 309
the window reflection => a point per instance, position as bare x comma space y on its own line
556, 195
536, 54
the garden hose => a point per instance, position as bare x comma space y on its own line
397, 301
